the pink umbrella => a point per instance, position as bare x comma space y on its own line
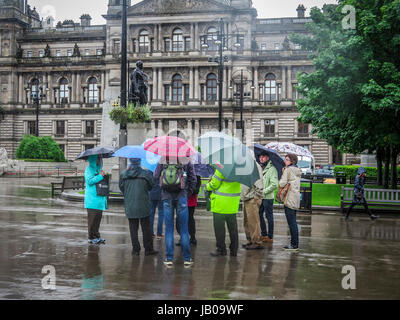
170, 146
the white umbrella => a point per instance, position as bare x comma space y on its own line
288, 147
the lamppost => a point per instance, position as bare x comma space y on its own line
221, 42
241, 94
37, 94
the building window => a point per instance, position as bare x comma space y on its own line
279, 91
35, 88
134, 45
240, 39
297, 47
294, 92
60, 128
117, 46
89, 130
58, 53
29, 54
276, 46
176, 88
144, 42
177, 40
87, 52
89, 146
99, 52
152, 46
269, 126
188, 44
263, 47
41, 53
166, 90
201, 92
302, 130
212, 36
93, 90
32, 127
69, 52
270, 87
261, 93
62, 147
64, 91
167, 44
211, 87
187, 88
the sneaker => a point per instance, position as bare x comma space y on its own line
94, 241
266, 239
151, 253
374, 217
159, 237
168, 263
188, 263
101, 240
291, 248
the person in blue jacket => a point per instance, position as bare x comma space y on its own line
94, 204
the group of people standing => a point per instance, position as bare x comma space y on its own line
174, 187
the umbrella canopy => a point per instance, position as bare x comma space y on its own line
104, 152
288, 147
229, 156
202, 169
149, 160
275, 158
170, 146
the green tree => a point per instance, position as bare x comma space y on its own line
352, 98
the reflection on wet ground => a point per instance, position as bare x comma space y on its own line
36, 230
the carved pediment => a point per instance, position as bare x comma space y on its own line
150, 7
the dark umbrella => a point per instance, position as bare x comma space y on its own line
273, 155
202, 169
104, 152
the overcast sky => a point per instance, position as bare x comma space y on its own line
73, 9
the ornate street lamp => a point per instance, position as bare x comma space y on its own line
37, 94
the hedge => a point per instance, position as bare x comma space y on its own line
351, 171
39, 148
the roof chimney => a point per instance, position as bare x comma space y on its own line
301, 10
85, 20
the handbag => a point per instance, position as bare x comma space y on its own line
282, 193
103, 187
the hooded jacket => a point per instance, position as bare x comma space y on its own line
292, 175
256, 191
358, 192
270, 178
135, 184
93, 176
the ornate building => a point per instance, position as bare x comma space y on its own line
77, 66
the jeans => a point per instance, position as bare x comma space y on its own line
154, 204
294, 231
191, 224
183, 215
268, 208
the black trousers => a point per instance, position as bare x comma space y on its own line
219, 229
94, 221
191, 224
362, 202
147, 234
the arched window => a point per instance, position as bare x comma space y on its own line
35, 88
270, 87
93, 90
212, 36
211, 87
177, 40
176, 88
64, 91
144, 43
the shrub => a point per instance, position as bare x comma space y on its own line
39, 148
131, 114
351, 171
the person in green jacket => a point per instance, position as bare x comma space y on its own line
135, 184
225, 199
270, 177
94, 204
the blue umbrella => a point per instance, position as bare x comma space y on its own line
149, 160
202, 169
275, 158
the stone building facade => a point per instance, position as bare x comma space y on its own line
77, 65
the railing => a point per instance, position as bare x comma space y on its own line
42, 172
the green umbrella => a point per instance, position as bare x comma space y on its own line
229, 156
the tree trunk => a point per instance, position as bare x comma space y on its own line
379, 163
395, 152
387, 165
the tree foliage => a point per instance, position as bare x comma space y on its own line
40, 148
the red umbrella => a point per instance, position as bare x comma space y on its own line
170, 146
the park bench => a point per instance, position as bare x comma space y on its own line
68, 183
374, 197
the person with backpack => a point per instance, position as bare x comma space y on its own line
192, 204
135, 184
177, 180
94, 203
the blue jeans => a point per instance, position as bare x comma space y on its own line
154, 204
268, 208
294, 231
183, 216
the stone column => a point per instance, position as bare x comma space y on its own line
196, 83
257, 89
196, 36
78, 87
284, 83
192, 36
196, 129
160, 39
190, 133
289, 82
160, 84
230, 126
51, 90
191, 84
155, 90
20, 89
230, 93
73, 88
224, 84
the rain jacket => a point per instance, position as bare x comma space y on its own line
270, 175
225, 197
358, 192
256, 191
93, 176
135, 184
292, 175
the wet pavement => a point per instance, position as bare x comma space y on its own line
36, 230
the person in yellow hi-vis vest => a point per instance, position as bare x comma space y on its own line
225, 199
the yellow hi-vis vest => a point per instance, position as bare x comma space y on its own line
225, 197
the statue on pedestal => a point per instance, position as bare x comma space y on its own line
138, 92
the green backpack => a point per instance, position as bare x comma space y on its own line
172, 178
